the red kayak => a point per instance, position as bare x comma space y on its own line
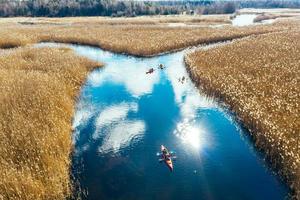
166, 157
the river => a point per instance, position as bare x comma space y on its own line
248, 19
122, 117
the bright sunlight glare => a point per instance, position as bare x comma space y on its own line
191, 135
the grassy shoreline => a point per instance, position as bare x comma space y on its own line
138, 40
270, 116
38, 91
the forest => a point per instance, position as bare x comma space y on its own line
55, 8
115, 8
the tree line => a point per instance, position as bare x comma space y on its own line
270, 4
116, 8
62, 8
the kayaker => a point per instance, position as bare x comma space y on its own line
166, 157
166, 154
150, 71
164, 151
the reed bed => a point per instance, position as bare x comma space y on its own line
38, 89
154, 20
263, 17
141, 20
266, 16
146, 41
258, 77
140, 40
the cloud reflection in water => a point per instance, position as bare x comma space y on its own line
122, 135
117, 129
131, 74
111, 115
114, 126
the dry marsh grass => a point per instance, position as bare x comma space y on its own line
258, 77
141, 40
38, 89
141, 20
263, 17
268, 16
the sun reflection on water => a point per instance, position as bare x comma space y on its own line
193, 135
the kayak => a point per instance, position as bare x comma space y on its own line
167, 157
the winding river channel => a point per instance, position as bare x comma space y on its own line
122, 117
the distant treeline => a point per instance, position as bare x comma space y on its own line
62, 8
269, 4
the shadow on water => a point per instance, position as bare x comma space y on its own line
124, 115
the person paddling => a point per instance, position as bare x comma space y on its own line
161, 66
166, 154
150, 71
181, 79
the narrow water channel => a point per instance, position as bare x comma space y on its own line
124, 115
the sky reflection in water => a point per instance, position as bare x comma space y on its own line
112, 123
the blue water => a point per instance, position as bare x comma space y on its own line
123, 116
